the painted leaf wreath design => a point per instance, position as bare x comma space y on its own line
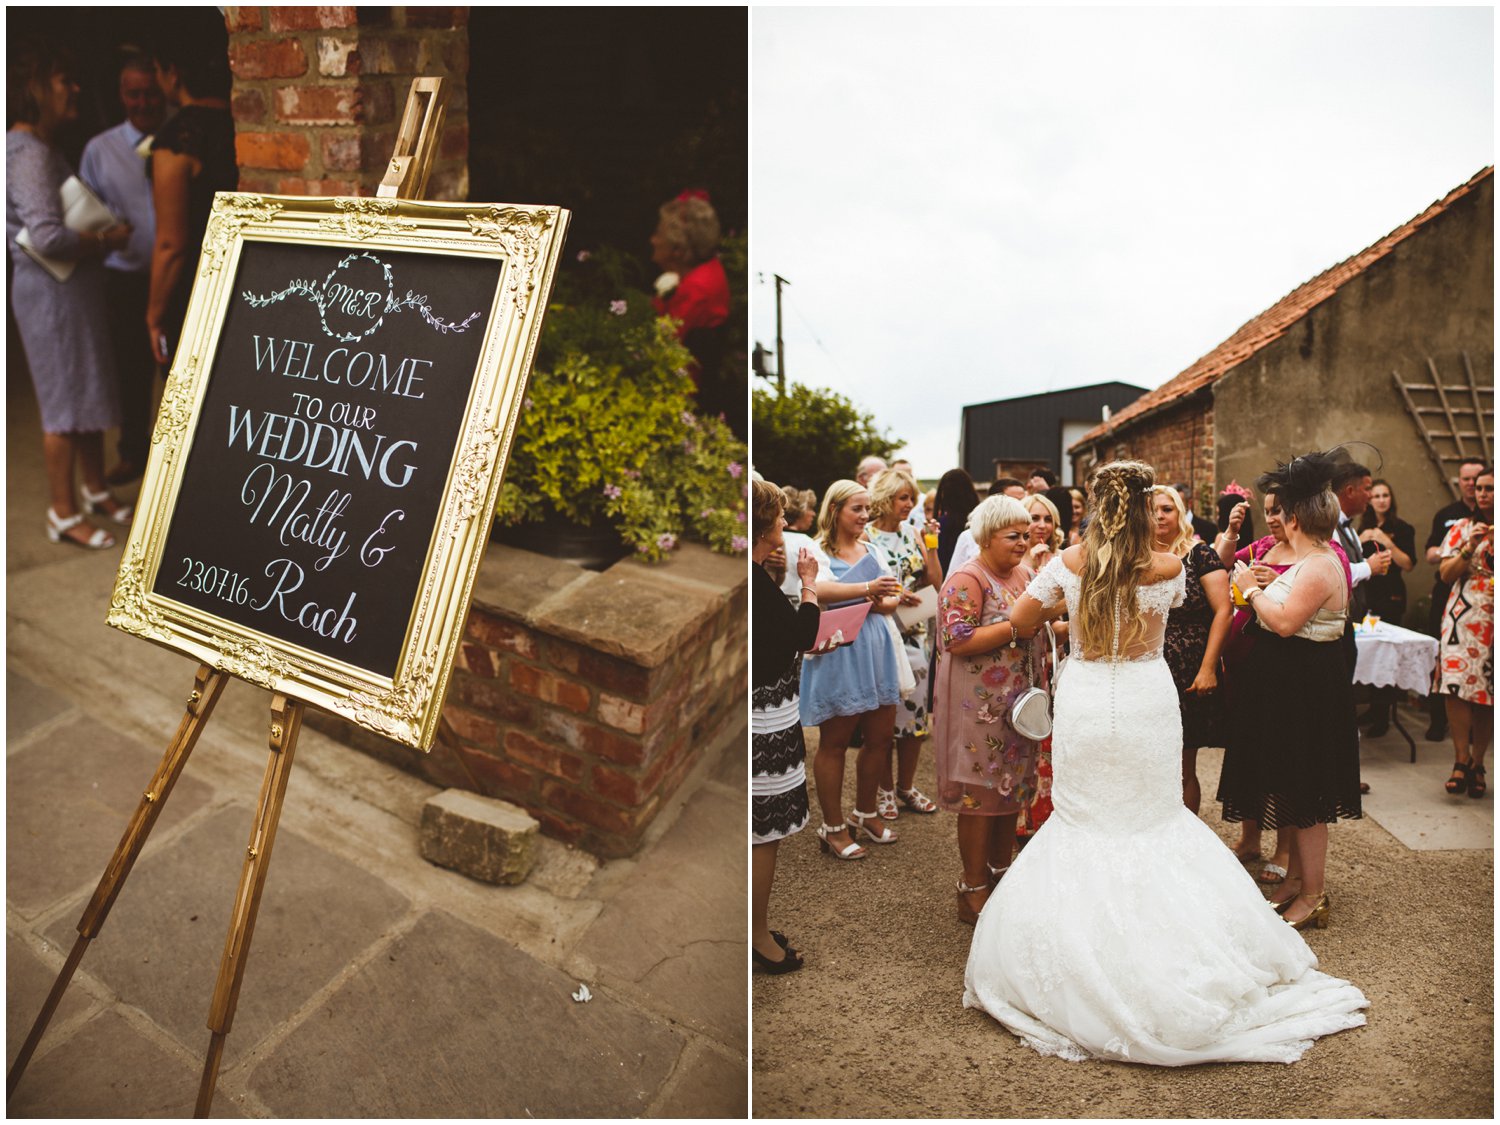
325, 294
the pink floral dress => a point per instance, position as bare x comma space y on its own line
983, 766
1466, 644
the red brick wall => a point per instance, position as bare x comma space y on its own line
590, 744
1178, 442
319, 91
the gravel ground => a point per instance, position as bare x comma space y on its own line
874, 1025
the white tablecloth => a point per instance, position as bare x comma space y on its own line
1390, 656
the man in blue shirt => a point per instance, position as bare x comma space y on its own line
114, 166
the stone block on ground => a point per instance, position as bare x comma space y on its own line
480, 837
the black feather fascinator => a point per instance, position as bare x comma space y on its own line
1306, 475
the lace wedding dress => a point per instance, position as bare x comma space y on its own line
1126, 930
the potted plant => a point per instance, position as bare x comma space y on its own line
609, 450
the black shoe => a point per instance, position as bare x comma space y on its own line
1366, 717
790, 962
1437, 732
1381, 726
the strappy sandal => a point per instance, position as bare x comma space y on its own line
1460, 779
885, 804
1276, 872
857, 825
94, 502
58, 528
917, 801
996, 874
1477, 787
850, 850
966, 913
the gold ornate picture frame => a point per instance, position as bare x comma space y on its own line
337, 418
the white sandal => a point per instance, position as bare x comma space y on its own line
858, 825
58, 528
885, 804
93, 504
916, 800
996, 874
848, 851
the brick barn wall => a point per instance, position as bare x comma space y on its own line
1179, 442
319, 91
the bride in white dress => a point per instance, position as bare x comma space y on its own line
1126, 930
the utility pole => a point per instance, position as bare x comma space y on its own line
780, 343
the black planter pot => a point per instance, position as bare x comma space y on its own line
596, 547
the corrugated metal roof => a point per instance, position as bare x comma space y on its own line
1275, 321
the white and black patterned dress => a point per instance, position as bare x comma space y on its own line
902, 553
778, 781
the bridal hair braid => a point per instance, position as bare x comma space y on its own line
834, 499
1117, 556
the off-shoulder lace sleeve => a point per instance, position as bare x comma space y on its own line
1046, 587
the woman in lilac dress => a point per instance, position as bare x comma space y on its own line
63, 325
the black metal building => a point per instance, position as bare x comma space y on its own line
1035, 429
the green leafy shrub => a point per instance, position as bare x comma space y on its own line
609, 430
811, 437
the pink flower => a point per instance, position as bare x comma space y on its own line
735, 469
703, 515
618, 307
995, 676
666, 541
739, 516
584, 255
739, 543
633, 474
1007, 783
688, 419
526, 403
613, 491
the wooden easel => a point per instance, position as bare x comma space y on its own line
406, 177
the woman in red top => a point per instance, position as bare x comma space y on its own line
694, 291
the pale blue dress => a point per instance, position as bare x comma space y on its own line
855, 678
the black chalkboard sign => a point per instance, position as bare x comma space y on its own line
324, 442
331, 442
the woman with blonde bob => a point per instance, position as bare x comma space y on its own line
986, 769
1196, 632
893, 497
1085, 950
856, 685
1046, 531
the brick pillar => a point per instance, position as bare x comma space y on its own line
318, 95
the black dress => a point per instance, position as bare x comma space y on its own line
1292, 758
1186, 639
778, 783
205, 133
1385, 594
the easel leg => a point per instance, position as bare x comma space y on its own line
286, 721
208, 685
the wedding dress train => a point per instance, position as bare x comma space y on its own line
1125, 929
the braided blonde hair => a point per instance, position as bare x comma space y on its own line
1117, 556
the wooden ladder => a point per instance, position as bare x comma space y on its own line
1454, 419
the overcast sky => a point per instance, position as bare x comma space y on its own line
973, 204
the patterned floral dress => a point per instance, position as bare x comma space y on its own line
1466, 644
902, 553
984, 767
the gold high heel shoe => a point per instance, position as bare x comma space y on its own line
1317, 917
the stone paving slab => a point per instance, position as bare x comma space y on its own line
671, 947
497, 1035
28, 705
68, 799
706, 1085
28, 979
160, 949
110, 1069
1407, 798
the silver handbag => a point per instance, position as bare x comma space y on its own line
1031, 713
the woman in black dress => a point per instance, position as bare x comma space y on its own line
1293, 750
779, 781
1196, 632
1385, 594
192, 158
